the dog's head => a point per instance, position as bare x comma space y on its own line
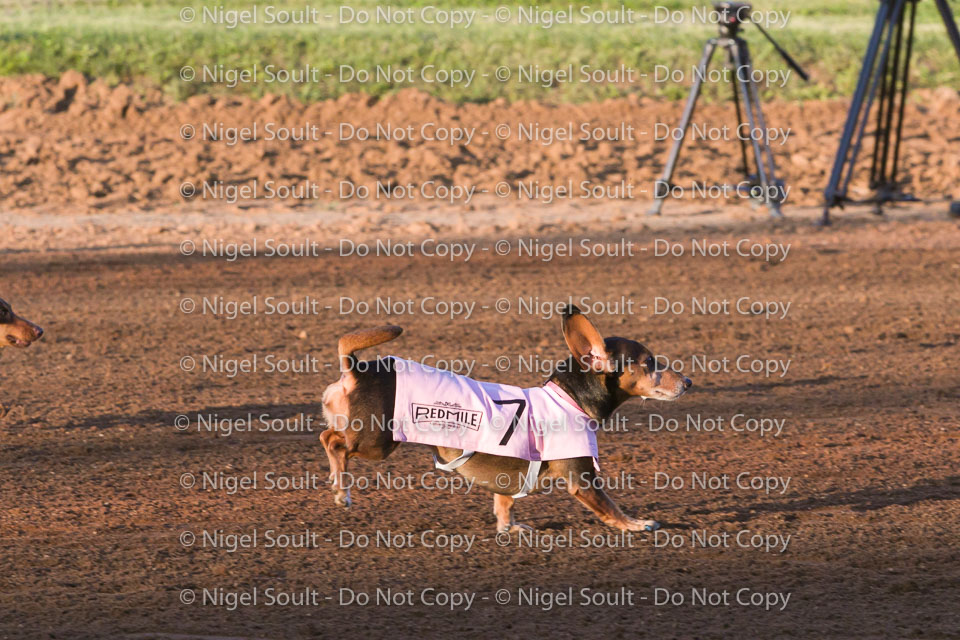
624, 367
14, 330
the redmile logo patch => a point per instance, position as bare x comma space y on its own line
446, 416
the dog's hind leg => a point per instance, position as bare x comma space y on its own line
351, 430
336, 412
336, 447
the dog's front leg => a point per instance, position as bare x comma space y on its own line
503, 509
606, 509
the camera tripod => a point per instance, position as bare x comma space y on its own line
763, 185
887, 77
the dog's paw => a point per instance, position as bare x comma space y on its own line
514, 528
642, 525
342, 500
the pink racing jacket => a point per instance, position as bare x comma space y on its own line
443, 409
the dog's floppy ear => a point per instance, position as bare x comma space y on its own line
584, 341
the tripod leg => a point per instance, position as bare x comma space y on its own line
875, 161
881, 68
831, 195
741, 56
903, 95
736, 104
771, 170
883, 182
950, 24
659, 195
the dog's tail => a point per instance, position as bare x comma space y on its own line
353, 342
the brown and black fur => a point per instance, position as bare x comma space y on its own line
14, 330
600, 376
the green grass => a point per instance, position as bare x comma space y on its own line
146, 44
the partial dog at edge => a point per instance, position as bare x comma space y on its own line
14, 330
600, 376
17, 332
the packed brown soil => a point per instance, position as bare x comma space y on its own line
91, 460
84, 145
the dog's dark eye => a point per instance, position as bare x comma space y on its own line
653, 365
4, 315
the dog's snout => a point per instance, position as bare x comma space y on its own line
687, 383
38, 332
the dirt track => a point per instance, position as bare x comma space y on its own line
91, 459
69, 143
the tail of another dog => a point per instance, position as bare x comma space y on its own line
353, 342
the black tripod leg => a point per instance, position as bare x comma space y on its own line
741, 56
950, 24
773, 190
736, 104
881, 68
903, 95
881, 180
831, 195
662, 187
875, 162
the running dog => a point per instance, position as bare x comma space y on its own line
512, 441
